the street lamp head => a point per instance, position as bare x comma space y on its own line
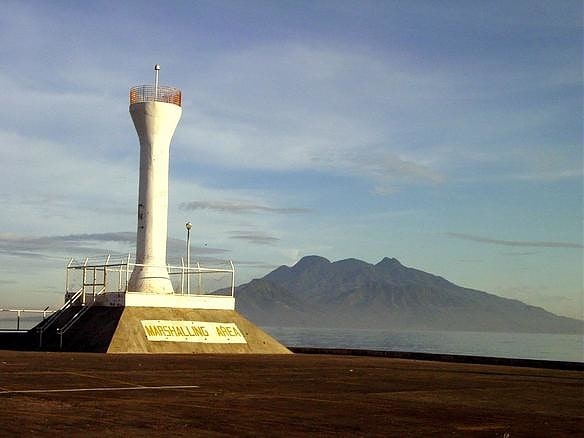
189, 226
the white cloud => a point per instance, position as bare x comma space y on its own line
382, 117
255, 237
49, 188
389, 171
522, 243
310, 108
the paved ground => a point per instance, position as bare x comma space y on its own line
265, 395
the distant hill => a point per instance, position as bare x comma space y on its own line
354, 294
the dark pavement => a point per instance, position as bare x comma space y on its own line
281, 395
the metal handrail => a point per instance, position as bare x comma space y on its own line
116, 266
20, 312
51, 319
153, 93
62, 330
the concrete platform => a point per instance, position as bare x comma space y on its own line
281, 395
154, 330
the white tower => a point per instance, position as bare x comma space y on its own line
155, 111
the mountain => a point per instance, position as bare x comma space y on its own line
354, 294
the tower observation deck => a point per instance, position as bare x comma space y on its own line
155, 93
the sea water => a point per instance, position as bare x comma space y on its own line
562, 347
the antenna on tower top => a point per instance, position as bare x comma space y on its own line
156, 92
156, 70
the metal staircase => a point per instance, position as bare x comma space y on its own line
92, 287
47, 323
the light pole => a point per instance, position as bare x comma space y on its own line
188, 225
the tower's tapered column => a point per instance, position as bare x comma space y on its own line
155, 112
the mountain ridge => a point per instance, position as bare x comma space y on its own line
351, 293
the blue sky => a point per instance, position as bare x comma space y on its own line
445, 134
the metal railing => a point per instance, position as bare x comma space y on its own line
51, 319
112, 273
153, 93
20, 313
105, 274
84, 308
94, 277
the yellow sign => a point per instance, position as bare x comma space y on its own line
193, 331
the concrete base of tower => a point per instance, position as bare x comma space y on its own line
154, 330
150, 279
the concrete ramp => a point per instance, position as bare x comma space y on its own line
164, 330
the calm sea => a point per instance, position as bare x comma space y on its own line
513, 345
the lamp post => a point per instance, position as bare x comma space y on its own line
188, 225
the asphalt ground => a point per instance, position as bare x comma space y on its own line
89, 394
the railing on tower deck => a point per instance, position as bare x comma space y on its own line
153, 93
91, 277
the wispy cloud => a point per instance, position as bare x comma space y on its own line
72, 244
390, 171
96, 244
527, 162
239, 207
327, 124
523, 243
386, 165
256, 237
549, 176
124, 237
